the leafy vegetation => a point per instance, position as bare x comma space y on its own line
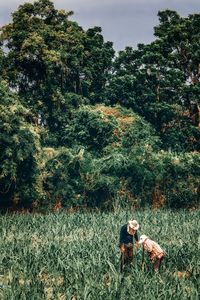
76, 256
20, 146
82, 126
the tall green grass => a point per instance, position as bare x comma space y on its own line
76, 256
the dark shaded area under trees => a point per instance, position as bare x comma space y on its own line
82, 126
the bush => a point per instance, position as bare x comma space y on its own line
20, 145
90, 129
62, 179
181, 179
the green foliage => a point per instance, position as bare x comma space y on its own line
90, 129
156, 78
76, 179
19, 143
60, 143
62, 178
174, 177
114, 145
176, 135
50, 56
181, 179
61, 256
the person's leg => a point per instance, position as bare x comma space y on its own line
126, 255
122, 257
122, 262
130, 253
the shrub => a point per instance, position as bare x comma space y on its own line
20, 146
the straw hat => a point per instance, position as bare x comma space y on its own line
142, 239
132, 224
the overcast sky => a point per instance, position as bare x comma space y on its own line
124, 22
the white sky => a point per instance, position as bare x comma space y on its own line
124, 22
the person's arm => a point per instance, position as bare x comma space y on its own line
122, 248
137, 236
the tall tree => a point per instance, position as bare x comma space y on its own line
50, 56
161, 80
181, 38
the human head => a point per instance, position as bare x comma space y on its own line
142, 239
132, 226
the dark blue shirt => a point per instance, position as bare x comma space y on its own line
125, 237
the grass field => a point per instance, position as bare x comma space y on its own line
76, 256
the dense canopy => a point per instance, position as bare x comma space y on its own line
82, 125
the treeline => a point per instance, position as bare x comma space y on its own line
82, 125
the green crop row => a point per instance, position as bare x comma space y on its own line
76, 256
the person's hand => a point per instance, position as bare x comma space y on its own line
137, 244
122, 248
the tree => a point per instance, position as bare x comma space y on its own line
160, 81
50, 56
19, 146
181, 38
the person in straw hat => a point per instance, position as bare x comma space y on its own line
127, 233
155, 252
